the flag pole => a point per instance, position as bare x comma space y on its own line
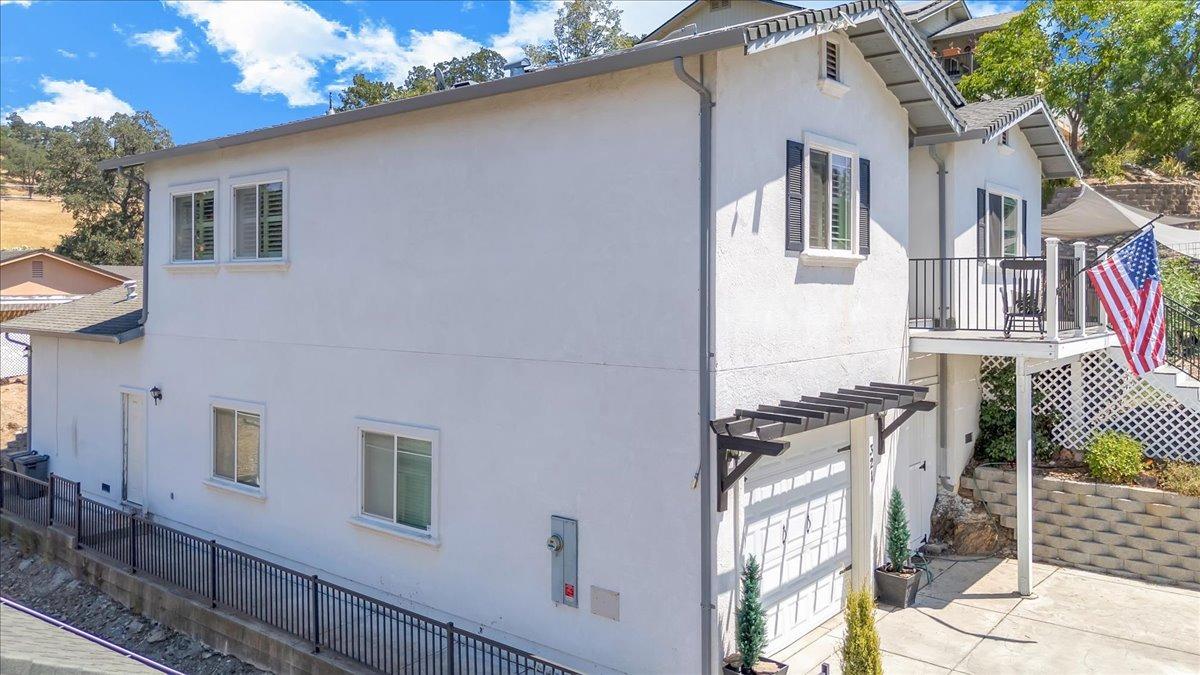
1113, 248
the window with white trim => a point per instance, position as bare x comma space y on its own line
194, 218
258, 221
1003, 225
831, 213
237, 445
398, 478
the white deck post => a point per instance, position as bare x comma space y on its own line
1080, 287
1100, 251
863, 446
1024, 479
1052, 288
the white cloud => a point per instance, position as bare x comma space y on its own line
66, 54
639, 17
526, 25
19, 3
13, 59
169, 44
70, 101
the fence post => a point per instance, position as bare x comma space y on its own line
1052, 288
50, 505
316, 616
1080, 286
78, 517
212, 572
1103, 315
132, 544
451, 652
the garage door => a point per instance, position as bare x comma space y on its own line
797, 517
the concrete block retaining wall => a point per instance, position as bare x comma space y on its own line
1113, 529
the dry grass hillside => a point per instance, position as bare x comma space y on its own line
32, 223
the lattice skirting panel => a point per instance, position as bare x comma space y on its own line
1098, 394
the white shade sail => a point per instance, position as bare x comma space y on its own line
1092, 214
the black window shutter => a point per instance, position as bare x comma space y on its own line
1025, 227
795, 196
864, 206
981, 222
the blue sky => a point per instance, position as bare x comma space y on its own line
206, 69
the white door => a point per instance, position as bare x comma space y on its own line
133, 422
797, 518
916, 469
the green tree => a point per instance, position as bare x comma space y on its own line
751, 622
897, 533
20, 160
363, 92
482, 65
107, 207
582, 28
1123, 74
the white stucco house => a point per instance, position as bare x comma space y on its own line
391, 346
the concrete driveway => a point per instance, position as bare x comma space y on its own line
970, 620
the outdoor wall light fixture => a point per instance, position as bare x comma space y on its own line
156, 394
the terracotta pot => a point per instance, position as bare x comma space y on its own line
951, 51
897, 590
732, 667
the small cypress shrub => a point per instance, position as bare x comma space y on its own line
1113, 457
860, 649
897, 533
751, 622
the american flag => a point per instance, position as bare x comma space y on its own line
1129, 284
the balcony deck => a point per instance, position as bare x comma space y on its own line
1035, 345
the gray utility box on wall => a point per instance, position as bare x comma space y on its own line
564, 561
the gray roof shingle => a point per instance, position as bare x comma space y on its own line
976, 25
127, 271
109, 315
989, 116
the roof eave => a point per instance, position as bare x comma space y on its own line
119, 338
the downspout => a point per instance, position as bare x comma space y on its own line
708, 605
145, 289
943, 386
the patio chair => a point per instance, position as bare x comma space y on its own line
1023, 290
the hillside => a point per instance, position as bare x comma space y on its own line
33, 223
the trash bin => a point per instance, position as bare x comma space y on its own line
7, 458
34, 466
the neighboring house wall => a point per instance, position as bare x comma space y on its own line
509, 272
58, 278
785, 328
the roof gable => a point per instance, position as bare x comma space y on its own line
706, 18
14, 255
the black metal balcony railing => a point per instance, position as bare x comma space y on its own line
374, 633
958, 65
1183, 337
996, 294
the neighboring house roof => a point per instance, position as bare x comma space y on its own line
921, 11
909, 54
667, 26
13, 255
986, 120
111, 315
980, 24
127, 271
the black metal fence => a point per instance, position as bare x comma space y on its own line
374, 633
1183, 337
974, 288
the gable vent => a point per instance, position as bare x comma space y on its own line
831, 62
38, 269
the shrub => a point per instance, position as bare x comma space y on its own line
751, 622
1181, 477
998, 419
897, 533
1111, 167
1171, 167
1113, 457
1181, 281
860, 649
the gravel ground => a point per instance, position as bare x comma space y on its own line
32, 581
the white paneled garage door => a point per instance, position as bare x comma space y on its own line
797, 515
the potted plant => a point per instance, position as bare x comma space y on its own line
896, 581
752, 630
860, 650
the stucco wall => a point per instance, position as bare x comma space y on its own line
976, 165
785, 328
511, 272
58, 278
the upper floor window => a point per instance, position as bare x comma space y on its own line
1003, 225
194, 226
259, 221
830, 200
237, 443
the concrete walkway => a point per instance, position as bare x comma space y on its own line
30, 646
970, 620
